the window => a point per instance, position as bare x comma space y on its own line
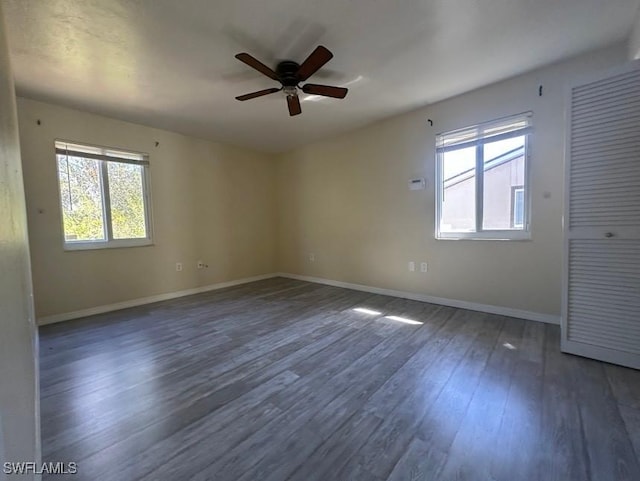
482, 186
104, 196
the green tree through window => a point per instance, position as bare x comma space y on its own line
127, 200
81, 196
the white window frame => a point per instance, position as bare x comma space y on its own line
478, 142
104, 155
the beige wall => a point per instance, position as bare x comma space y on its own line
210, 202
346, 200
19, 407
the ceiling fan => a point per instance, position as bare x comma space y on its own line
290, 74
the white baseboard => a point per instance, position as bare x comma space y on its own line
67, 316
473, 306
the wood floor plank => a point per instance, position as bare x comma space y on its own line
467, 457
419, 462
563, 452
350, 349
260, 377
328, 419
614, 456
402, 401
624, 385
175, 434
521, 422
386, 446
631, 419
282, 379
326, 461
192, 381
314, 393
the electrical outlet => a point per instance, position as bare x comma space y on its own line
312, 257
178, 266
423, 267
412, 266
200, 265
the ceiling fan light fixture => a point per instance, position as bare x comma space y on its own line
290, 90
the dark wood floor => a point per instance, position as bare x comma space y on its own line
283, 380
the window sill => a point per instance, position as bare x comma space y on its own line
118, 244
486, 236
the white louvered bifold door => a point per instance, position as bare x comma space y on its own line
601, 299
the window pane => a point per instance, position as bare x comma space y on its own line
518, 207
126, 191
81, 198
504, 165
458, 209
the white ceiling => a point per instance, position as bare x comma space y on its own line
170, 63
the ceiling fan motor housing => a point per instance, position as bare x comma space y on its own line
286, 72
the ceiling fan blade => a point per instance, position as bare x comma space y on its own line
294, 105
256, 64
259, 93
313, 63
325, 90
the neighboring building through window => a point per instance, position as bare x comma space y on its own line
104, 196
482, 180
